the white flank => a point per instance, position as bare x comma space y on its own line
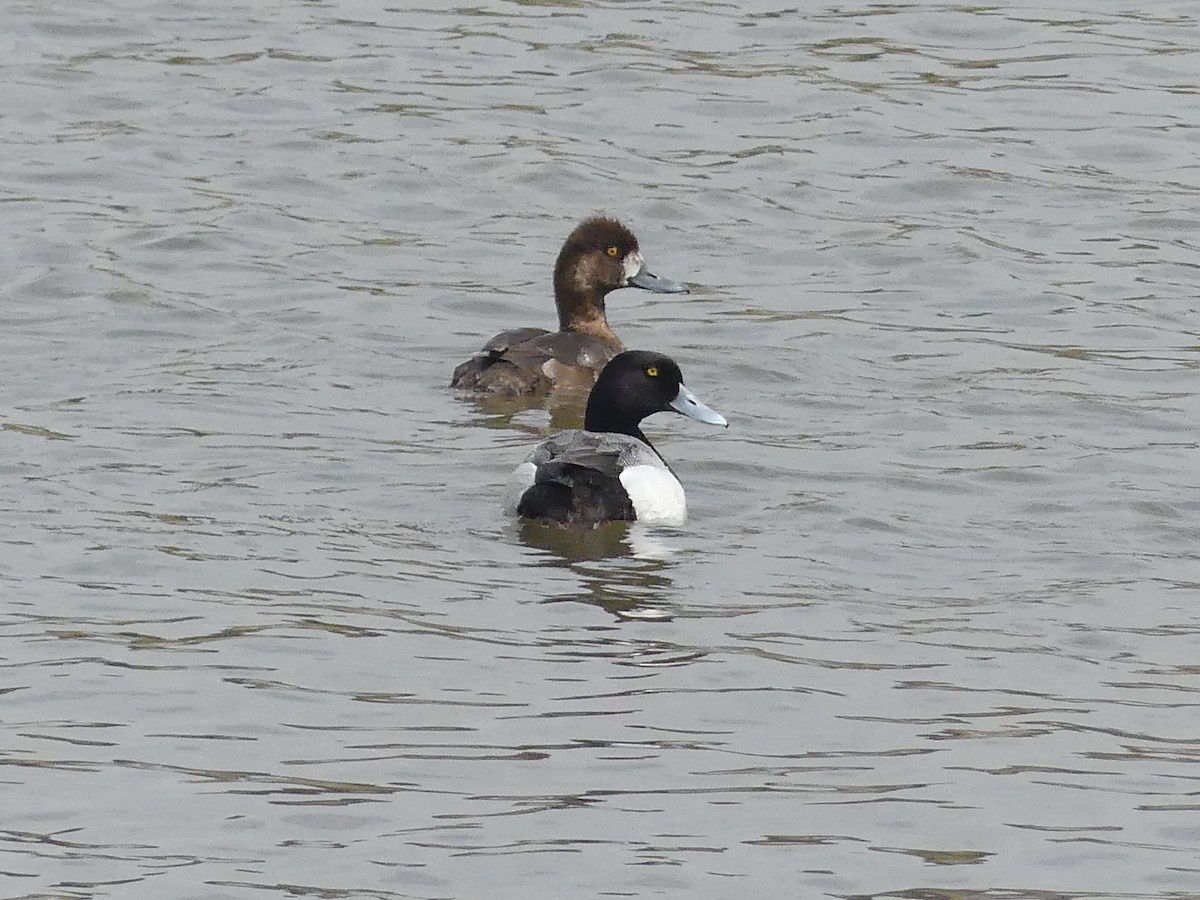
656, 494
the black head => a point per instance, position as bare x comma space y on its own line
637, 384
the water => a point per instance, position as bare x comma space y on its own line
931, 630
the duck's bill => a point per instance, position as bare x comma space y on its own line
648, 281
687, 403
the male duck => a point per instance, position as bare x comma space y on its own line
610, 471
599, 256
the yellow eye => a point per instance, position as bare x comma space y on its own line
652, 371
612, 251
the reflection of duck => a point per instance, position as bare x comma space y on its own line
608, 540
599, 256
610, 470
638, 588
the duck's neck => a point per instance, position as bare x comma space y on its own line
580, 302
596, 419
587, 317
597, 422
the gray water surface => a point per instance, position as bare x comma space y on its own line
931, 630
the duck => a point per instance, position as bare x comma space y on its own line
599, 256
609, 470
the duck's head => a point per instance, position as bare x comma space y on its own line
599, 256
637, 384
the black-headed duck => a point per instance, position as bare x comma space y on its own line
599, 256
609, 471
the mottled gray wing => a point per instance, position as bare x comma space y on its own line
577, 481
607, 453
607, 464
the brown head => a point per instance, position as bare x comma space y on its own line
599, 256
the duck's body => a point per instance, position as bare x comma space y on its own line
583, 478
609, 471
533, 360
599, 256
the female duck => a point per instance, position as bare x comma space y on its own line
599, 256
610, 471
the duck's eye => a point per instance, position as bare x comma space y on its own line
612, 251
652, 371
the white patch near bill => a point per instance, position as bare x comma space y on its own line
656, 494
632, 263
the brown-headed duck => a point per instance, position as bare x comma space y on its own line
599, 256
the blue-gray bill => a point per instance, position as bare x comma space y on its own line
648, 281
687, 403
